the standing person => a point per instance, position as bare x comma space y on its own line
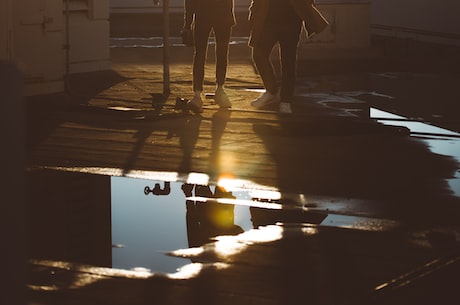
280, 21
201, 17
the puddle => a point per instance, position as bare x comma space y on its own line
97, 216
148, 225
440, 140
415, 127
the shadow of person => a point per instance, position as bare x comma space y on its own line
188, 137
158, 102
354, 159
219, 123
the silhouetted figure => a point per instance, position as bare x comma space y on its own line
207, 219
200, 18
280, 22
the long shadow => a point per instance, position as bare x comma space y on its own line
363, 161
189, 132
45, 112
79, 89
219, 123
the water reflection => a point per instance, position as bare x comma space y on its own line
440, 140
133, 223
147, 226
206, 220
151, 218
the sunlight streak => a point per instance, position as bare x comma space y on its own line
190, 252
198, 178
226, 246
194, 269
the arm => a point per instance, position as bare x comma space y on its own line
252, 8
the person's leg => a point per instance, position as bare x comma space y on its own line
289, 40
261, 51
222, 35
201, 33
261, 56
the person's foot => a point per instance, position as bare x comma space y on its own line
221, 98
265, 100
285, 107
196, 104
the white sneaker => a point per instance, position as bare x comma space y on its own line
196, 104
285, 108
221, 98
265, 99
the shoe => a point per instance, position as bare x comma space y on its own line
285, 108
265, 99
196, 104
187, 189
221, 99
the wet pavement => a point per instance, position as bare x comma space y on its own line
352, 199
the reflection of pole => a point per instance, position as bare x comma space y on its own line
166, 88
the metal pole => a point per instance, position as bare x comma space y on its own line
166, 87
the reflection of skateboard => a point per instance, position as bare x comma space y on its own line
157, 190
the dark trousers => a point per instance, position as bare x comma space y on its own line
222, 35
288, 38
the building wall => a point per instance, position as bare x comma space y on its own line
4, 29
430, 21
45, 45
89, 26
35, 35
125, 6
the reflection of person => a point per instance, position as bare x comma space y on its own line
280, 21
202, 16
208, 219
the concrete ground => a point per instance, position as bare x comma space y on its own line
330, 150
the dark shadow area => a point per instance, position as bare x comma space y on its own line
69, 217
81, 87
12, 206
367, 161
43, 112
